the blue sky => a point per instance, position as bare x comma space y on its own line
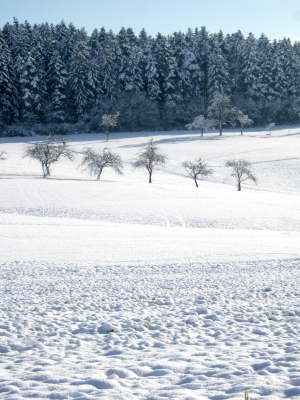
275, 18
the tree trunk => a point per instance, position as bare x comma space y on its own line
241, 131
201, 132
195, 179
47, 170
44, 170
107, 133
99, 174
150, 177
221, 133
239, 186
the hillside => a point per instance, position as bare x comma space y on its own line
198, 286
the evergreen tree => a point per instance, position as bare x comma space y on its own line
79, 83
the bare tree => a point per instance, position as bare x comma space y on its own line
150, 158
48, 152
196, 168
221, 111
109, 121
270, 127
241, 171
200, 123
243, 120
94, 161
2, 155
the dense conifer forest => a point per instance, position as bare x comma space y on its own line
59, 75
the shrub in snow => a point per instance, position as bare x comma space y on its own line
150, 158
94, 161
241, 171
48, 152
196, 168
2, 155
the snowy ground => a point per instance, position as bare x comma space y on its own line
199, 288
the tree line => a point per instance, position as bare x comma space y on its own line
58, 74
94, 161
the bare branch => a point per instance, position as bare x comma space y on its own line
150, 158
241, 171
48, 152
109, 121
221, 111
200, 123
197, 168
243, 120
94, 161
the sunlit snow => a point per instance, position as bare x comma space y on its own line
120, 289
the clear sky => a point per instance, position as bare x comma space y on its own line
275, 18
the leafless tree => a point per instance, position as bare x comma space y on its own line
2, 155
243, 120
200, 123
196, 168
109, 121
221, 111
241, 171
270, 127
150, 158
48, 152
94, 161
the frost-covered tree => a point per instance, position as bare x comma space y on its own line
196, 168
270, 126
218, 74
94, 161
79, 81
109, 121
243, 120
48, 152
32, 87
57, 84
200, 123
241, 171
166, 65
221, 111
150, 158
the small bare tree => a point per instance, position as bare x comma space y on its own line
196, 168
270, 127
2, 155
200, 123
243, 120
241, 171
94, 161
48, 152
150, 158
109, 121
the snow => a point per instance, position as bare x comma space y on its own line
119, 289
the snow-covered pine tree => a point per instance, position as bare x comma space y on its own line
57, 84
218, 70
79, 83
166, 65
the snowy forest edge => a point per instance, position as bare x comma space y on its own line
58, 78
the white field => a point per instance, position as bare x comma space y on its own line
200, 285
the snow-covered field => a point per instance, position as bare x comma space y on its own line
120, 289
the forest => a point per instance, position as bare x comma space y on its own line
60, 78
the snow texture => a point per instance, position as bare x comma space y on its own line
120, 289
